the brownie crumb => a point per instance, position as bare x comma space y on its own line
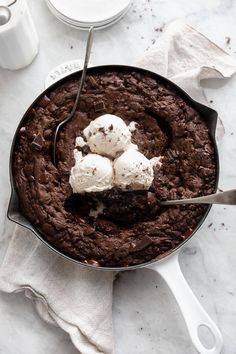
211, 101
220, 190
210, 225
228, 40
159, 29
71, 47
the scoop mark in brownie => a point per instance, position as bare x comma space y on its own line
163, 124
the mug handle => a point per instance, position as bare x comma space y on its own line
194, 314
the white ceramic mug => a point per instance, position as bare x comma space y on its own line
19, 41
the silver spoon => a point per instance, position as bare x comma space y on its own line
228, 198
83, 76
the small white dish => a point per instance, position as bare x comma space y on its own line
84, 14
90, 11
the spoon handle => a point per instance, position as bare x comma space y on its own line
228, 198
83, 76
86, 61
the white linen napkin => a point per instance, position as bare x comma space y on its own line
186, 57
76, 299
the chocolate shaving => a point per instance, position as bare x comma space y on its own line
102, 130
85, 149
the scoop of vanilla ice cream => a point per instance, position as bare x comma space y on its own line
108, 135
132, 170
91, 173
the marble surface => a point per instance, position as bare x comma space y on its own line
146, 317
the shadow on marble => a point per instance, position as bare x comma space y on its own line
147, 317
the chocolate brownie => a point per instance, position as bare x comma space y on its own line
133, 228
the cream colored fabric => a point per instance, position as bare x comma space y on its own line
186, 57
74, 298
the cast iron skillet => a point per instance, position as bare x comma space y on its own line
167, 265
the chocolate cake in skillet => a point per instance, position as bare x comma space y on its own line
131, 228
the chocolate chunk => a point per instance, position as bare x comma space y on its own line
99, 106
37, 143
142, 244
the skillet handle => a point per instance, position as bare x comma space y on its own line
192, 311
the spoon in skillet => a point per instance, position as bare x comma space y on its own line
228, 198
83, 76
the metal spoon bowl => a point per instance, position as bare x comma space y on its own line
70, 116
227, 198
